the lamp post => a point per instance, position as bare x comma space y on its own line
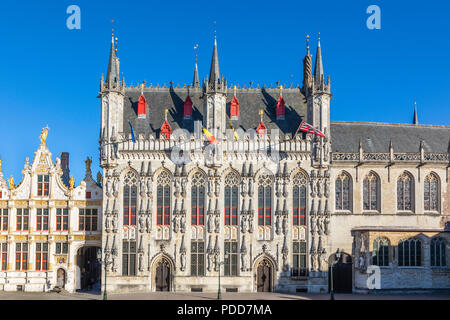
338, 256
219, 293
105, 263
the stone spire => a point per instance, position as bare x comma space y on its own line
113, 76
214, 73
195, 81
307, 69
318, 70
415, 118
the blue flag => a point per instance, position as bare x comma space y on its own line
132, 132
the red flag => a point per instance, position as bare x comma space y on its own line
310, 129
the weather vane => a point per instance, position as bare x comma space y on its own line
195, 48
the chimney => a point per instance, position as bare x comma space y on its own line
65, 167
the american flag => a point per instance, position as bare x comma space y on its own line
309, 128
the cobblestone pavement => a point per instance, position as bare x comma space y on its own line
210, 296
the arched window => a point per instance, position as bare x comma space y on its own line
231, 199
343, 192
380, 252
410, 253
370, 191
265, 182
431, 193
163, 199
129, 198
299, 199
437, 252
404, 192
198, 199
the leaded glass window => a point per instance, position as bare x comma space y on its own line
299, 259
370, 192
130, 199
265, 182
410, 253
437, 252
198, 199
343, 192
380, 253
299, 199
404, 192
197, 258
129, 258
231, 199
431, 193
231, 258
163, 199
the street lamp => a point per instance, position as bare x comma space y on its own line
338, 256
105, 263
219, 293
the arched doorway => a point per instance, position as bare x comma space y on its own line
61, 278
264, 275
90, 269
162, 274
342, 274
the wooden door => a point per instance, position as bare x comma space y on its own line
162, 276
342, 274
264, 276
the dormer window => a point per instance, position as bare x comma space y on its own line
42, 185
234, 109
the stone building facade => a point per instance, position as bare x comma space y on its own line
259, 201
48, 226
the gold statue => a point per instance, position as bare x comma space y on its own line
71, 182
11, 183
88, 162
44, 134
99, 178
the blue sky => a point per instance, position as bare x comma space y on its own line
50, 74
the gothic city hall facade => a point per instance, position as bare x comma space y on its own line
213, 179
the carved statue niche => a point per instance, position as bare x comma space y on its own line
116, 186
277, 225
141, 221
108, 187
285, 224
149, 187
243, 223
183, 223
217, 223
108, 222
142, 188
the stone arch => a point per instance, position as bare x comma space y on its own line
194, 170
128, 169
261, 262
229, 170
159, 171
296, 171
165, 258
264, 171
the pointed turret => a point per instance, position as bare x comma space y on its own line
113, 76
415, 118
196, 81
214, 73
307, 70
318, 69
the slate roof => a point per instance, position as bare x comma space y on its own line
250, 102
345, 137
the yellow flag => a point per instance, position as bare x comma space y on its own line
210, 137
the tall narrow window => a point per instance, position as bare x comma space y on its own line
265, 200
299, 200
42, 219
404, 192
342, 192
130, 199
231, 258
4, 255
163, 199
41, 256
62, 219
42, 185
22, 217
21, 256
4, 219
410, 253
299, 268
198, 199
129, 258
61, 247
431, 193
370, 190
437, 252
197, 258
380, 252
231, 199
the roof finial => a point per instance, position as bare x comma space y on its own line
215, 31
165, 113
281, 91
142, 88
234, 88
261, 113
415, 118
307, 43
